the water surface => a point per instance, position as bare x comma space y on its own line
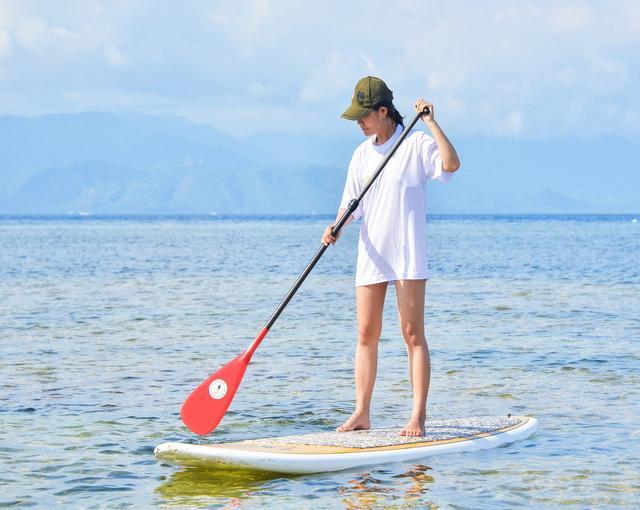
106, 324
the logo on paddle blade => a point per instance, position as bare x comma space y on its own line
217, 389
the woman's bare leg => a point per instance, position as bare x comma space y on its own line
410, 294
370, 303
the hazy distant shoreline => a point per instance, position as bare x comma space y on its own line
138, 164
297, 217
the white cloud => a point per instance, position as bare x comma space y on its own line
368, 63
328, 81
569, 17
6, 13
257, 90
115, 57
106, 100
5, 43
242, 20
606, 75
523, 68
35, 35
513, 123
30, 33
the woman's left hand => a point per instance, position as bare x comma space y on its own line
420, 105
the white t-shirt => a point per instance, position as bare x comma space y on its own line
392, 243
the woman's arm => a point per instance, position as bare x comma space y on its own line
448, 154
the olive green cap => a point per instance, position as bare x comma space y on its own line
369, 92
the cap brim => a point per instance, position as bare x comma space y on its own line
355, 112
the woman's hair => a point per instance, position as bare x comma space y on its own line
392, 112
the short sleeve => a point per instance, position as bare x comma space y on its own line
352, 188
431, 161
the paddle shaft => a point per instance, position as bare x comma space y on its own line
353, 205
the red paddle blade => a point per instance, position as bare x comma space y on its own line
207, 404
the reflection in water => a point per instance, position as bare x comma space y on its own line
198, 484
366, 491
204, 485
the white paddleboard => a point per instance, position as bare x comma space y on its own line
335, 451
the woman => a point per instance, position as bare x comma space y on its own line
392, 244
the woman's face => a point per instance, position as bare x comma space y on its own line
374, 122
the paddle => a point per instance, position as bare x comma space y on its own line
206, 405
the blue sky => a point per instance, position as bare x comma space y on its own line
498, 68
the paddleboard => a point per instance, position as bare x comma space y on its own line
336, 451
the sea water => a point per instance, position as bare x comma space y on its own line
106, 324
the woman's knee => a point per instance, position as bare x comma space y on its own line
413, 334
369, 333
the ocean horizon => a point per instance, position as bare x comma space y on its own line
285, 217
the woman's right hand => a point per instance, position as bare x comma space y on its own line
328, 237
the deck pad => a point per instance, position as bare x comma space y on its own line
437, 430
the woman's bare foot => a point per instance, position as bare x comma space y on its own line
414, 427
357, 421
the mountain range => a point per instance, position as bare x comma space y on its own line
133, 163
